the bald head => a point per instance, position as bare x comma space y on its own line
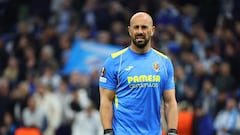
141, 30
143, 16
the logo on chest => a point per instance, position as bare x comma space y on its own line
156, 66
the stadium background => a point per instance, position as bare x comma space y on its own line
49, 77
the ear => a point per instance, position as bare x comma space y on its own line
153, 30
129, 31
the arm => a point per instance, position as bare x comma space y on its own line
170, 107
106, 108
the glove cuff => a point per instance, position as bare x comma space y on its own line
172, 132
108, 132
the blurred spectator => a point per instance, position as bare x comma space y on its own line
200, 42
56, 6
38, 25
33, 116
87, 122
116, 12
11, 72
166, 14
65, 42
65, 17
48, 36
22, 40
166, 41
84, 32
47, 59
180, 81
117, 33
50, 104
91, 15
186, 42
19, 98
232, 55
190, 94
75, 106
229, 115
210, 58
104, 37
197, 76
30, 80
88, 16
208, 97
225, 81
8, 127
176, 35
74, 80
50, 77
185, 116
187, 59
28, 63
4, 98
189, 13
78, 101
202, 121
63, 93
226, 9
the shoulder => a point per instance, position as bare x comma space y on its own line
113, 59
164, 58
118, 53
160, 54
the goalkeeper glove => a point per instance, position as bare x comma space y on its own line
172, 132
108, 132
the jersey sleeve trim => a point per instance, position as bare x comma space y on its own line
161, 54
116, 54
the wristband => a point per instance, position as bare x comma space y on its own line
108, 132
172, 132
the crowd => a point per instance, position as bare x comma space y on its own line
202, 38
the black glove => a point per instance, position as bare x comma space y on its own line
172, 132
108, 132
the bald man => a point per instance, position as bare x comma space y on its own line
133, 82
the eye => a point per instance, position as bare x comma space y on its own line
144, 27
136, 27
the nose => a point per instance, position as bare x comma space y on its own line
139, 30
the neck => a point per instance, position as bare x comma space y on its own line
140, 50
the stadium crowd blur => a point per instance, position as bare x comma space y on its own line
202, 37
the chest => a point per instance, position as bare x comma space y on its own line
142, 70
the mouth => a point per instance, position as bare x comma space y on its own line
140, 38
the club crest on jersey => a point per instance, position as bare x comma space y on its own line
156, 66
103, 71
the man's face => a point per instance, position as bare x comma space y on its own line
141, 30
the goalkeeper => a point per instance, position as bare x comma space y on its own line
133, 82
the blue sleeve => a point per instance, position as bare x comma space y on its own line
108, 76
169, 82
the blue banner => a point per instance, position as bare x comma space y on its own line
86, 56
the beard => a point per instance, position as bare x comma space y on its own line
142, 43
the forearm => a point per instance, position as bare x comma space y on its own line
106, 112
171, 113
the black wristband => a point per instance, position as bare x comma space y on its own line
172, 132
108, 132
